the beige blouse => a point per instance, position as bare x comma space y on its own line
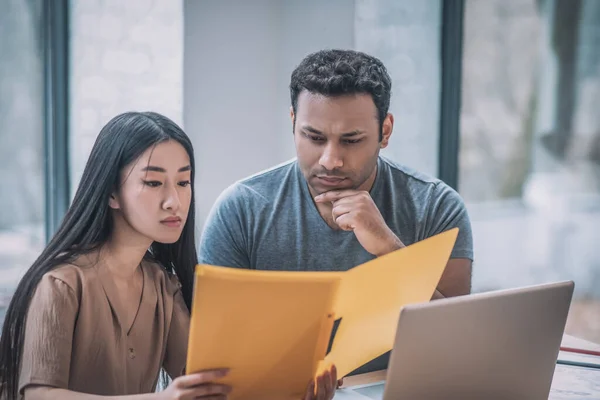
76, 339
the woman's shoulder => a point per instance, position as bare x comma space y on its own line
160, 275
60, 286
74, 274
70, 275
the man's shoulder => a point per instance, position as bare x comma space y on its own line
259, 187
269, 179
422, 188
399, 174
241, 212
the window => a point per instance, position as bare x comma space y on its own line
530, 147
21, 142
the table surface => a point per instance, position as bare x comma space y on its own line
569, 383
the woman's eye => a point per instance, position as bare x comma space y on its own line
152, 183
184, 183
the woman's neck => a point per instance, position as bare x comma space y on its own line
121, 260
124, 251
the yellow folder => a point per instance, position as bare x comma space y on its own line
272, 328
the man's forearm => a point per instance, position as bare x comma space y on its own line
456, 279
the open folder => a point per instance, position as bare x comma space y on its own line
272, 328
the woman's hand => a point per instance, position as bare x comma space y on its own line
325, 384
197, 386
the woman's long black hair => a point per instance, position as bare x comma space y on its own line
87, 225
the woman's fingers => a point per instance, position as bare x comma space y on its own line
199, 378
209, 390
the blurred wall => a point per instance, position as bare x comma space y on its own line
238, 58
21, 114
125, 55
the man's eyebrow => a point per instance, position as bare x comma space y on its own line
353, 133
312, 130
318, 132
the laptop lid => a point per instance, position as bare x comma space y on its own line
495, 345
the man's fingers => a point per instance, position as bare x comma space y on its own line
339, 210
310, 390
328, 385
325, 385
334, 379
334, 195
345, 222
322, 386
350, 200
200, 377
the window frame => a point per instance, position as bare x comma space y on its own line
55, 20
451, 50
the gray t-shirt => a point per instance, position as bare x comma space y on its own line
270, 222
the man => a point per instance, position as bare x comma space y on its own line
339, 203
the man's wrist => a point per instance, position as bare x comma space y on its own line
394, 244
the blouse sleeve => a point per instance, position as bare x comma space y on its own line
49, 330
177, 340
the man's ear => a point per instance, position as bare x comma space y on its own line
113, 201
293, 118
386, 130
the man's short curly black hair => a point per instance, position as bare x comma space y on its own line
341, 72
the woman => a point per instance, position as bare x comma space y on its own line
106, 305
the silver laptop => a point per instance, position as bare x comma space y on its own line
495, 345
